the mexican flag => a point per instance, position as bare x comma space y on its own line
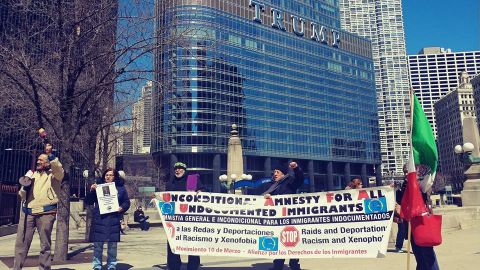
412, 204
424, 148
423, 153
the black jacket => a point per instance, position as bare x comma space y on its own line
138, 215
106, 227
288, 185
180, 184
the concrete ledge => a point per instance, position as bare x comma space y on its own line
152, 224
459, 217
8, 229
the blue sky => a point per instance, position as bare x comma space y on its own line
450, 24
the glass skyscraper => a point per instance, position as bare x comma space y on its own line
298, 87
381, 21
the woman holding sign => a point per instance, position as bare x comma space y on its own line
106, 226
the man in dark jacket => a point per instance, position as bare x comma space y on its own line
182, 182
283, 183
139, 216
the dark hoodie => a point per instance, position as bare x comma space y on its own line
289, 184
106, 227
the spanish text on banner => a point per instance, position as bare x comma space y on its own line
340, 224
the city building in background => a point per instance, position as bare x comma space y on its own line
382, 23
142, 115
122, 136
475, 81
435, 71
450, 111
296, 85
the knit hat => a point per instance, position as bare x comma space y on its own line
282, 168
180, 165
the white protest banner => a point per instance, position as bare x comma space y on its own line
341, 224
107, 196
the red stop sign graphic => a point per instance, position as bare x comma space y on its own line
290, 236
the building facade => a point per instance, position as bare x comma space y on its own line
475, 81
435, 71
142, 115
382, 23
450, 111
297, 86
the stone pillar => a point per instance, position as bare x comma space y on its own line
378, 174
364, 175
234, 155
268, 166
329, 176
216, 172
311, 176
471, 187
347, 174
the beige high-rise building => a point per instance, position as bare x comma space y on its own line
451, 111
142, 118
435, 71
476, 94
382, 23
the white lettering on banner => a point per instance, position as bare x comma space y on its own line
341, 224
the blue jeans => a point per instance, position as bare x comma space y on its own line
425, 257
111, 255
402, 230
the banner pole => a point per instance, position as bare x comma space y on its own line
408, 244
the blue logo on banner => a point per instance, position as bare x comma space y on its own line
168, 208
268, 243
373, 206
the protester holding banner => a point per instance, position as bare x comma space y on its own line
284, 183
106, 227
182, 182
39, 195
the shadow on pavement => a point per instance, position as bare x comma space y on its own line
257, 266
124, 266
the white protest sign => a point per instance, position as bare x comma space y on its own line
107, 197
341, 224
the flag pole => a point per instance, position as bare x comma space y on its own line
409, 230
408, 244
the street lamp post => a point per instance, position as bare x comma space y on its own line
471, 162
229, 183
234, 162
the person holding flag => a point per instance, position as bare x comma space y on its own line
423, 153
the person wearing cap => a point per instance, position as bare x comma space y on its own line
39, 196
284, 183
182, 182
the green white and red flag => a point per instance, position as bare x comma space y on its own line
424, 147
422, 164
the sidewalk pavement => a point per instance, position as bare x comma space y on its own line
147, 251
